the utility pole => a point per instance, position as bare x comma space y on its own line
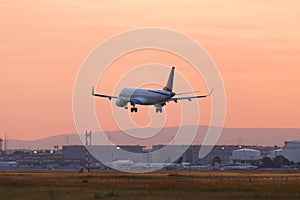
240, 142
5, 142
1, 144
67, 140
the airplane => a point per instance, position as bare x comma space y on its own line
145, 96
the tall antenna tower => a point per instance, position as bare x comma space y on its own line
88, 142
88, 138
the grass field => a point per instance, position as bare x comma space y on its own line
158, 185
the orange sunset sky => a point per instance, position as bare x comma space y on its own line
255, 44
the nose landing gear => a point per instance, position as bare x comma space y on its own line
133, 109
158, 109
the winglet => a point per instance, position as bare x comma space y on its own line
212, 89
93, 93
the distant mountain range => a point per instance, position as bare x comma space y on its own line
244, 136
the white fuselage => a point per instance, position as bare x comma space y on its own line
144, 96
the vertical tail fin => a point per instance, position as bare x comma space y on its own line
169, 86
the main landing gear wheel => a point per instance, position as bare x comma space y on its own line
158, 110
133, 109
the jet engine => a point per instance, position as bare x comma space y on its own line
121, 103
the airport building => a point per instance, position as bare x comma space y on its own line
31, 159
75, 155
221, 153
291, 151
246, 157
275, 153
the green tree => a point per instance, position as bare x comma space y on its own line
216, 159
280, 161
267, 162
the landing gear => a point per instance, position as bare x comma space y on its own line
158, 109
133, 109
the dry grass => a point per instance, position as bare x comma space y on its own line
157, 185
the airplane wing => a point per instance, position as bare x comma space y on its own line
109, 97
175, 99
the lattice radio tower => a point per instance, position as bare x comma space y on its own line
88, 142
